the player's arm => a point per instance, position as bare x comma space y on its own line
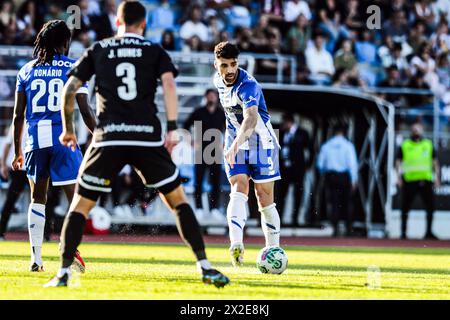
244, 133
170, 102
87, 113
68, 137
18, 120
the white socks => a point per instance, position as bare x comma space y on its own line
203, 264
36, 224
236, 216
270, 223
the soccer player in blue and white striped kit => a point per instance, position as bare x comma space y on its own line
251, 148
38, 102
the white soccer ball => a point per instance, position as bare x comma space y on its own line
272, 260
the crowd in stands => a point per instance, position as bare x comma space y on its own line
332, 40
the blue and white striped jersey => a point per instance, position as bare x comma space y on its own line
43, 87
245, 93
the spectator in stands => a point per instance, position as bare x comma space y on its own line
424, 63
394, 6
259, 32
294, 8
10, 35
26, 21
269, 67
104, 24
441, 9
55, 11
159, 19
423, 11
443, 69
366, 55
353, 20
338, 163
80, 41
218, 8
239, 14
214, 28
344, 57
193, 44
319, 61
194, 26
417, 164
299, 35
365, 49
440, 40
7, 14
393, 80
244, 40
295, 158
417, 35
395, 58
210, 116
273, 10
330, 21
168, 40
346, 78
396, 26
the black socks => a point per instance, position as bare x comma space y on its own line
189, 230
71, 234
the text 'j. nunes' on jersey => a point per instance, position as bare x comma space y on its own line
245, 93
43, 87
126, 70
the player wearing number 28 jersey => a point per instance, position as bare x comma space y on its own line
38, 101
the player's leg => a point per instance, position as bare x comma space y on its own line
37, 166
71, 235
64, 167
156, 169
270, 219
36, 221
237, 216
99, 165
265, 170
189, 230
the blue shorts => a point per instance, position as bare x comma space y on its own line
261, 166
59, 163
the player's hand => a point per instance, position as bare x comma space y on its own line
172, 139
69, 140
230, 155
17, 162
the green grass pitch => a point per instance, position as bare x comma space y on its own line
167, 271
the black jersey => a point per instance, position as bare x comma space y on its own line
127, 69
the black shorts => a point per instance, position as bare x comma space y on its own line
102, 164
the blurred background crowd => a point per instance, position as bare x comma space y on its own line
330, 38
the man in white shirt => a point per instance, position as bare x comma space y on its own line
337, 161
294, 8
319, 61
194, 26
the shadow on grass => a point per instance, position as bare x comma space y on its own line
317, 268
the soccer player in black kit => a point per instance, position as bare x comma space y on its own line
127, 68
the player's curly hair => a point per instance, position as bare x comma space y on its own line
53, 35
226, 50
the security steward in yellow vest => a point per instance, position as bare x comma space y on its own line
417, 164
